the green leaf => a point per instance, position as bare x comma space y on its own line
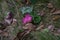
36, 18
26, 9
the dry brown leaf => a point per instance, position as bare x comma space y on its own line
51, 27
41, 13
50, 5
56, 17
57, 12
58, 30
5, 34
28, 2
21, 35
14, 23
1, 31
28, 26
53, 10
40, 27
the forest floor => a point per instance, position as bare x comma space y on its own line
47, 29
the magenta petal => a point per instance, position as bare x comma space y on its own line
27, 19
24, 20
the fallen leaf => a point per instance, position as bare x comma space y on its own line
5, 34
50, 5
41, 13
57, 12
53, 10
40, 27
58, 31
28, 26
26, 9
14, 22
1, 31
51, 27
56, 17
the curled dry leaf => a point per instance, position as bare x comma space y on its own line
40, 27
2, 26
5, 34
28, 2
57, 12
9, 15
14, 22
28, 26
56, 17
41, 13
51, 27
8, 18
58, 31
1, 31
53, 10
23, 34
50, 5
9, 21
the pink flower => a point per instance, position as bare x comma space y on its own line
27, 19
